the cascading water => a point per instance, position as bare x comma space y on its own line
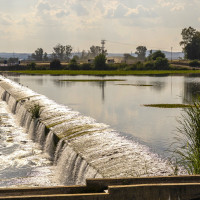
79, 147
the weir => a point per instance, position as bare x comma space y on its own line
79, 147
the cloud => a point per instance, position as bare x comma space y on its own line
5, 19
49, 21
176, 5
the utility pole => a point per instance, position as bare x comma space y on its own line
103, 47
171, 53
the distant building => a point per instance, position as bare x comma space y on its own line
91, 61
110, 61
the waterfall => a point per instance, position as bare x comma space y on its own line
12, 103
61, 145
50, 145
72, 169
33, 128
80, 147
40, 134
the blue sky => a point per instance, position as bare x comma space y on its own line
26, 25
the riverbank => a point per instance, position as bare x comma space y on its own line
111, 73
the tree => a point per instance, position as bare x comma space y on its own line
161, 63
157, 54
141, 52
100, 62
73, 64
95, 51
192, 49
55, 64
68, 52
58, 52
38, 55
128, 56
187, 35
84, 54
191, 43
45, 57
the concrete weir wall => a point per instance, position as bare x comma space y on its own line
154, 188
79, 147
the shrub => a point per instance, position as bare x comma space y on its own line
161, 63
86, 66
149, 65
187, 151
32, 66
35, 111
120, 66
112, 67
73, 64
100, 62
139, 65
194, 63
55, 64
157, 54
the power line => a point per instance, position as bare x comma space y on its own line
131, 44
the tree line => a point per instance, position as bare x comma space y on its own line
64, 53
155, 60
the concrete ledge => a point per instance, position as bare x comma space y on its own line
61, 197
152, 188
102, 184
182, 191
43, 190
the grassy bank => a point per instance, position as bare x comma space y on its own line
114, 72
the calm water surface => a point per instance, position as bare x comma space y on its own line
121, 105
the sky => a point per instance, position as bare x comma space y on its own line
26, 25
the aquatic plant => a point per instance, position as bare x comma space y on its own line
168, 105
35, 111
187, 145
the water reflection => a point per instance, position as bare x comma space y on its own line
158, 86
191, 91
100, 84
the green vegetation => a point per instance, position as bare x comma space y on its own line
187, 149
55, 64
32, 66
73, 64
92, 80
191, 43
168, 105
112, 72
194, 63
156, 54
35, 111
134, 84
100, 62
141, 52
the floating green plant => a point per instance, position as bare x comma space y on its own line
92, 80
134, 84
168, 105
